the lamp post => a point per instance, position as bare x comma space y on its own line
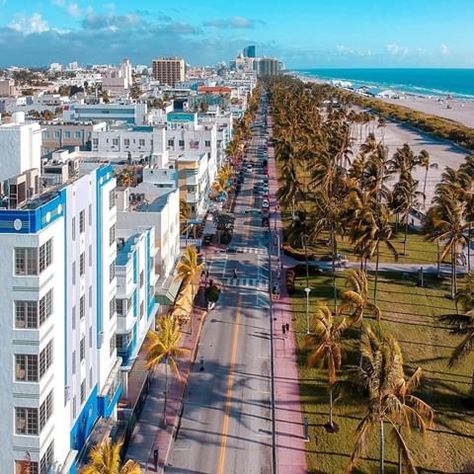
307, 291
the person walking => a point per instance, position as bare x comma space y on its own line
283, 328
234, 273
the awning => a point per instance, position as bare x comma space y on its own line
167, 296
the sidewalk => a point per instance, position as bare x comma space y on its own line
148, 434
291, 457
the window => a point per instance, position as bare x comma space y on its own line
90, 378
82, 349
112, 344
77, 134
141, 142
126, 141
73, 317
46, 410
207, 143
121, 307
112, 235
90, 214
46, 358
26, 467
181, 143
112, 271
90, 255
26, 314
95, 141
83, 391
121, 341
73, 362
45, 255
90, 337
57, 134
142, 309
82, 221
112, 308
115, 142
74, 406
26, 421
46, 307
73, 271
73, 228
82, 264
142, 279
82, 307
26, 368
67, 134
112, 199
90, 296
47, 459
171, 142
26, 262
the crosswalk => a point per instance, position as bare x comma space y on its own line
254, 250
254, 283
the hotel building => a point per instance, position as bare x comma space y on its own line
168, 71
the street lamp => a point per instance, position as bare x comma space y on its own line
307, 291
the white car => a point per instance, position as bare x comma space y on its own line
265, 204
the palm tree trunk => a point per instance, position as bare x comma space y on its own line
406, 234
469, 248
438, 260
331, 403
424, 188
334, 254
376, 272
166, 391
303, 240
453, 272
382, 448
400, 457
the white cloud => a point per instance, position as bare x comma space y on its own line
444, 49
73, 9
29, 24
396, 50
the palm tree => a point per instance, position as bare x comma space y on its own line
105, 459
356, 299
390, 399
127, 178
189, 268
446, 225
325, 343
164, 344
424, 161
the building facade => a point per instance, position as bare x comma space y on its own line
169, 71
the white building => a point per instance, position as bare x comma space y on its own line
20, 145
117, 81
136, 293
57, 350
129, 113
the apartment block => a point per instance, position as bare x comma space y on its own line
169, 71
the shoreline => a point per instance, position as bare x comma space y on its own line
451, 108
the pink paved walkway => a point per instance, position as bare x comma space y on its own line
291, 458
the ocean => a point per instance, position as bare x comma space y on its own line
458, 83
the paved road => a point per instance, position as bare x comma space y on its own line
227, 420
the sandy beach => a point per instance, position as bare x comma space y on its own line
453, 109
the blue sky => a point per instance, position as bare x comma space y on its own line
304, 33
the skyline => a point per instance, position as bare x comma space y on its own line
303, 35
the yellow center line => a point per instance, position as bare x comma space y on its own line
230, 380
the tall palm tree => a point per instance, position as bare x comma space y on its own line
164, 344
424, 161
105, 459
356, 300
447, 226
390, 400
325, 344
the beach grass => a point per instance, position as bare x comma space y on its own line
410, 314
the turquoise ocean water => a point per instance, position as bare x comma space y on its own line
440, 82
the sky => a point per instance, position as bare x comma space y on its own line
303, 33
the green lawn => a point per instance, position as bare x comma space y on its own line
410, 314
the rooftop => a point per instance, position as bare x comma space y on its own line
122, 252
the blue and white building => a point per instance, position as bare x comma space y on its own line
58, 360
130, 113
136, 299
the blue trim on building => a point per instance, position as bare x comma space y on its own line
85, 421
31, 221
103, 176
66, 307
106, 407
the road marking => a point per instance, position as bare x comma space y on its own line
230, 379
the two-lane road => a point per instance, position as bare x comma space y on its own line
227, 420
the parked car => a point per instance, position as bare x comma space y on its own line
265, 204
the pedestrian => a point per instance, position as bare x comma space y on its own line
283, 328
287, 326
234, 272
